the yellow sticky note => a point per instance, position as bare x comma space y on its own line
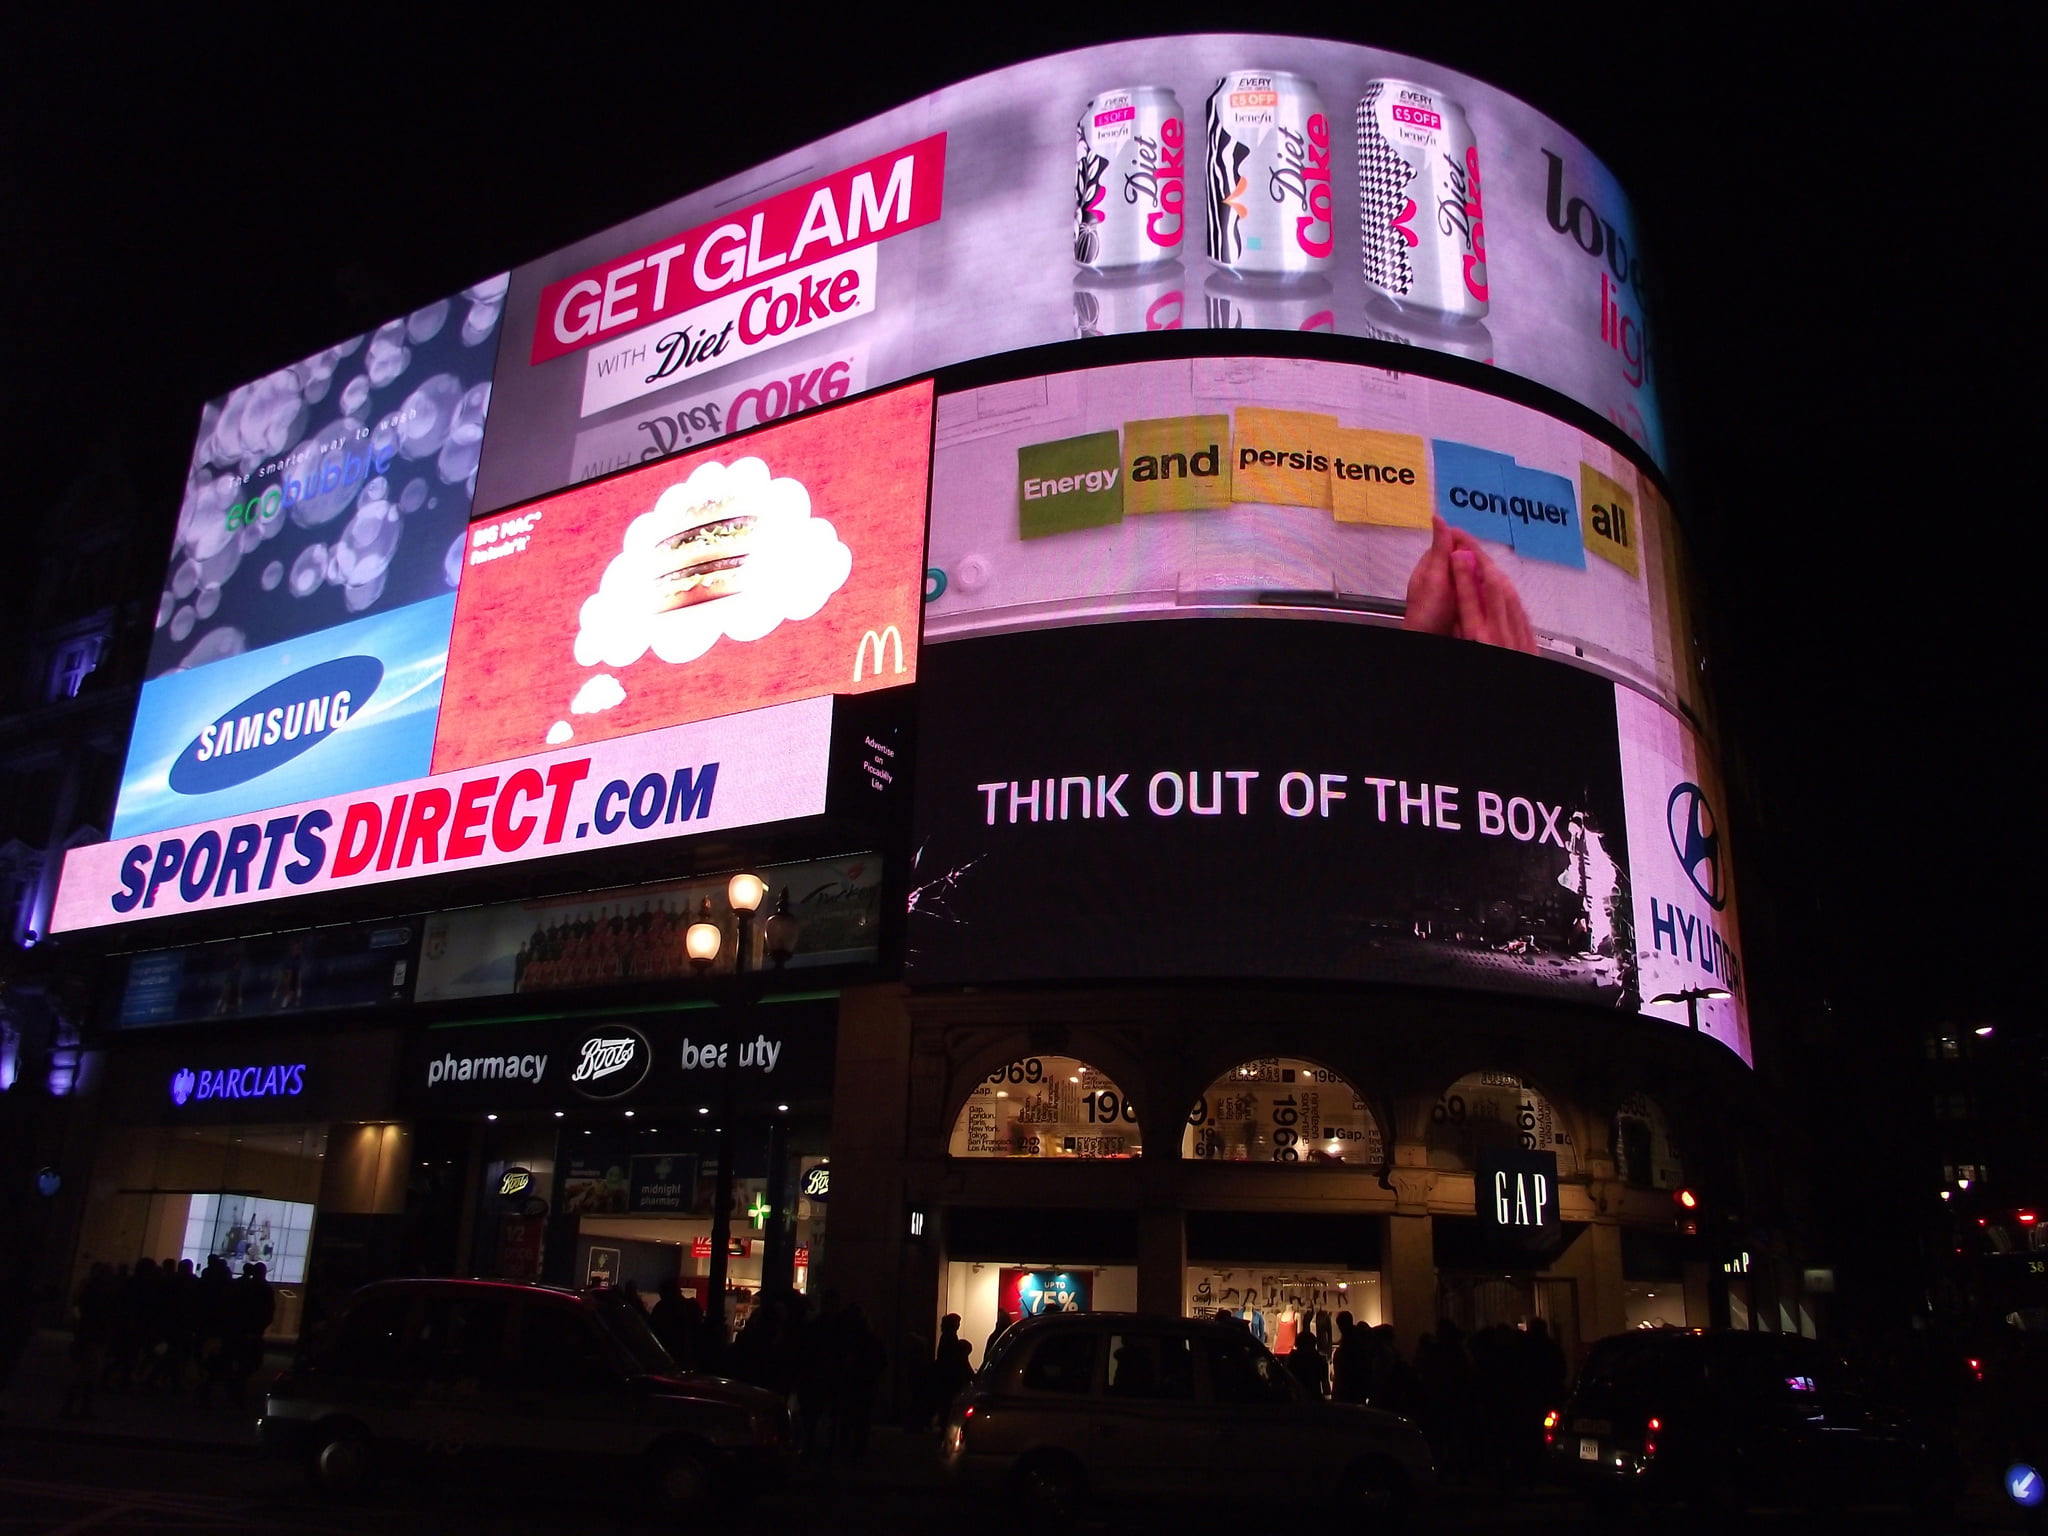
1379, 477
1281, 457
1613, 530
1176, 464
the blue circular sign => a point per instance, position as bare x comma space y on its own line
2024, 1485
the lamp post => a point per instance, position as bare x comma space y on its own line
702, 942
1691, 997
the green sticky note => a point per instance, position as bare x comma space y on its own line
1077, 482
1177, 464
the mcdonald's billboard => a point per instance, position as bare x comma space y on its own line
787, 564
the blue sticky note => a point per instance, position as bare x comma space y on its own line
1545, 510
1472, 490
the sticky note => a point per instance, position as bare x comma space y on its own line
1472, 490
1281, 457
1378, 477
1545, 512
1077, 482
1611, 520
1176, 464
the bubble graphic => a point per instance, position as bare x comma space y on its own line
471, 413
182, 622
457, 461
413, 496
164, 608
427, 416
355, 394
364, 550
309, 570
559, 732
359, 595
491, 290
451, 563
478, 324
185, 580
207, 603
425, 324
780, 563
388, 356
600, 693
273, 573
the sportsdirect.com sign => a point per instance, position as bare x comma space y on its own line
769, 765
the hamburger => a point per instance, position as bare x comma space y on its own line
705, 559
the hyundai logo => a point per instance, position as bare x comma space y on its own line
1696, 839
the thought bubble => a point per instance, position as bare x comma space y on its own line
602, 692
559, 732
731, 552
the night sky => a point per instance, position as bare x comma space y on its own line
1836, 214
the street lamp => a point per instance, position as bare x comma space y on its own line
702, 941
1691, 997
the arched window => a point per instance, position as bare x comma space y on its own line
1643, 1154
1281, 1110
1495, 1109
1046, 1106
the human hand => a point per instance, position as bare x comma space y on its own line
1456, 590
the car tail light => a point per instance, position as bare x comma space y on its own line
1650, 1432
1550, 1427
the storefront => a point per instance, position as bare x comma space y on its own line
273, 1148
592, 1142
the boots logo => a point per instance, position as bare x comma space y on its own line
271, 727
1696, 839
610, 1063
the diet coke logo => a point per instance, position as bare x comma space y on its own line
611, 1063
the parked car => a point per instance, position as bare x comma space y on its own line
1076, 1406
511, 1380
1734, 1419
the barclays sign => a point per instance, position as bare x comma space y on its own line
262, 1082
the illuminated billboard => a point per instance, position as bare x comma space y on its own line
744, 770
1098, 804
785, 567
1217, 485
303, 626
1254, 182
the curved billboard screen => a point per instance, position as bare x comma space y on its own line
1243, 485
1217, 181
1112, 802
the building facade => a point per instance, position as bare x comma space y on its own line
1190, 636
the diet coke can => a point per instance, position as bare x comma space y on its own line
1130, 179
1270, 209
1419, 211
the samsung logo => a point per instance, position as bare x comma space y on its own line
270, 728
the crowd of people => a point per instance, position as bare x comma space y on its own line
823, 1356
170, 1329
1479, 1398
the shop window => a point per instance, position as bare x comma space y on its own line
1281, 1110
1159, 1367
1484, 1110
1046, 1106
1643, 1154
